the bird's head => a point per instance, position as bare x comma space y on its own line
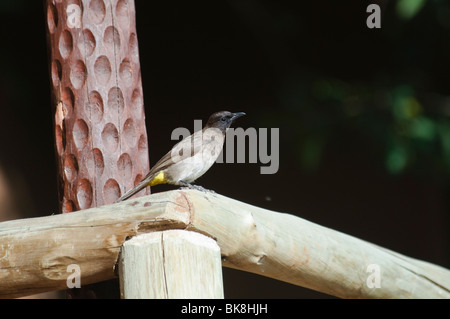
223, 119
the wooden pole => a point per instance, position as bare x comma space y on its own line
170, 264
97, 102
101, 139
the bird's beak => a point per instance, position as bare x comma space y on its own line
236, 115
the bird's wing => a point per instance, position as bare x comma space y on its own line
162, 164
187, 147
183, 150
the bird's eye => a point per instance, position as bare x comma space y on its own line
223, 119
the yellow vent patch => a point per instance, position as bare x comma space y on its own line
158, 179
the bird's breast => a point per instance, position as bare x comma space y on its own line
206, 153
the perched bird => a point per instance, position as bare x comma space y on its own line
191, 157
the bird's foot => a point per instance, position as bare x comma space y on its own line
197, 187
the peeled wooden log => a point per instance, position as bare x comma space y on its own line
35, 253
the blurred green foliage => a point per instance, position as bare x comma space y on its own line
394, 105
407, 9
411, 133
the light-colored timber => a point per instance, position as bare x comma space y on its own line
35, 252
171, 264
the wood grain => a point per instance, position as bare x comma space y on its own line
171, 264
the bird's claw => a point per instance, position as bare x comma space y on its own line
197, 187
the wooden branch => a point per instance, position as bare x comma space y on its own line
294, 250
170, 264
35, 253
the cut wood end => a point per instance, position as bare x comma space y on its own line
175, 234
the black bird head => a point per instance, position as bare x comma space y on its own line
223, 119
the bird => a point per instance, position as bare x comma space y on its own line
191, 157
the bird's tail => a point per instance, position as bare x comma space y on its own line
136, 189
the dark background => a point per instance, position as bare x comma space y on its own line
364, 114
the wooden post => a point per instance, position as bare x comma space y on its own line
101, 139
97, 101
170, 264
